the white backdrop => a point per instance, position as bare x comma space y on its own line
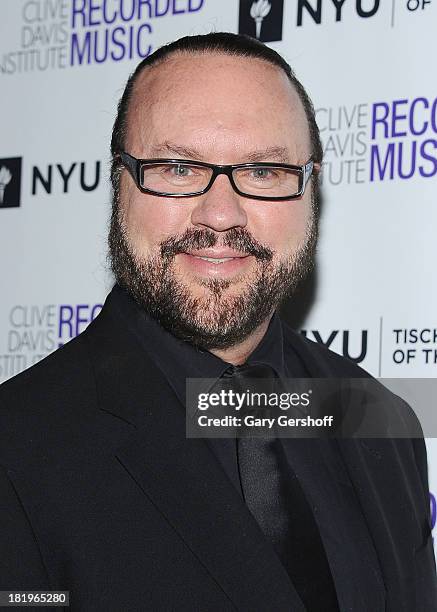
369, 67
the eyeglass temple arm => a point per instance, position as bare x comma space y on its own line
307, 171
130, 163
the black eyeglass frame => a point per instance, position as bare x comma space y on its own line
134, 165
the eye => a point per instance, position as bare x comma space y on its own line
262, 173
180, 171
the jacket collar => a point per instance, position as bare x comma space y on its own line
179, 360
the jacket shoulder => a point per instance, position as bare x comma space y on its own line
47, 405
56, 371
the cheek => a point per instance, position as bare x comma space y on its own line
149, 220
281, 225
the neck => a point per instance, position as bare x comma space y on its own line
238, 354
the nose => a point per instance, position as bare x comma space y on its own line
220, 208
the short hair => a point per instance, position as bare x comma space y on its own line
226, 43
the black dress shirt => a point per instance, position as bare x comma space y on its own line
316, 462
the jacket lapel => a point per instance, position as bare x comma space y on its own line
181, 476
380, 483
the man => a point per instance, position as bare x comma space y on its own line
216, 156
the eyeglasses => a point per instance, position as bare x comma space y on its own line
181, 178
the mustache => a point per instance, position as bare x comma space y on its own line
236, 238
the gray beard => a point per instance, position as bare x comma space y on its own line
213, 321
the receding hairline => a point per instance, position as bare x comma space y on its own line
220, 52
148, 70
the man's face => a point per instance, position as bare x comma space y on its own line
223, 110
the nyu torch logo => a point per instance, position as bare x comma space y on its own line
258, 11
261, 19
5, 179
10, 182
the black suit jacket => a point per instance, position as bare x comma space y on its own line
103, 495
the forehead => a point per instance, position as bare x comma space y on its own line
222, 105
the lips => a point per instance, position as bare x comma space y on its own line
215, 261
217, 253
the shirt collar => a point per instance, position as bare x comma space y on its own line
179, 360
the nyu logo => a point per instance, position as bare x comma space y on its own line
313, 9
10, 182
64, 178
261, 19
340, 342
55, 178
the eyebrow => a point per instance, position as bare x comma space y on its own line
275, 153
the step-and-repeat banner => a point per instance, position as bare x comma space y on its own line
369, 66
